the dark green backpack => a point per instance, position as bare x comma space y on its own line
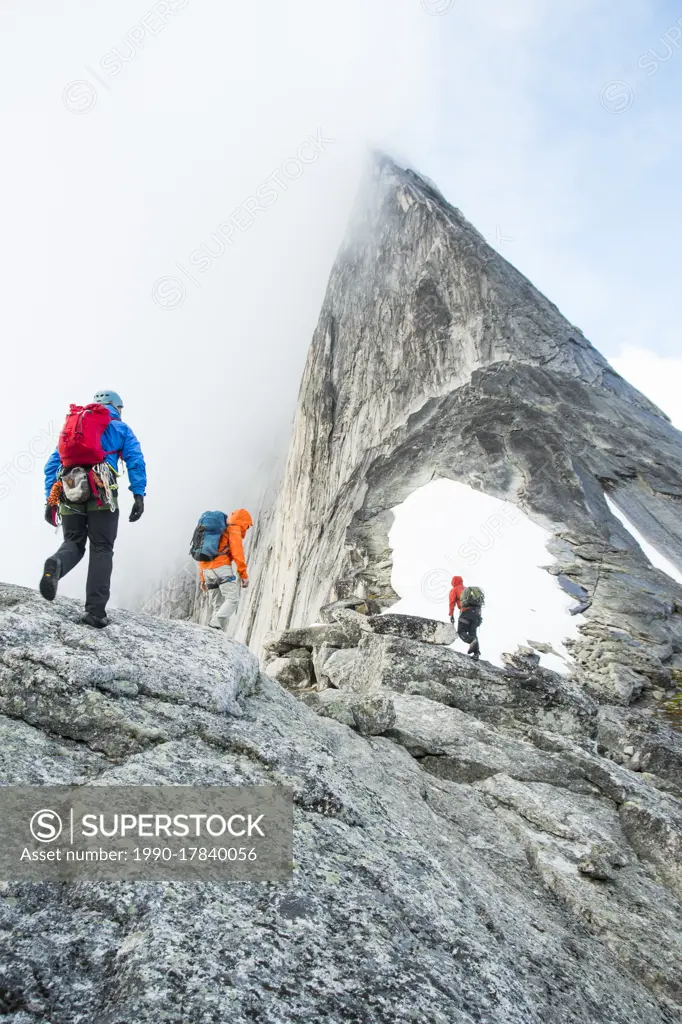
472, 597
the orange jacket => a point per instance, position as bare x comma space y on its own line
231, 547
456, 593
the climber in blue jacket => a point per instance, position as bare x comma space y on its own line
118, 441
86, 498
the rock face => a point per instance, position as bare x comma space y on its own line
413, 627
474, 844
433, 357
369, 714
492, 855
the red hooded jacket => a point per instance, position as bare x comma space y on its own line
456, 593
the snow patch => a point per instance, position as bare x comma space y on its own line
658, 560
446, 529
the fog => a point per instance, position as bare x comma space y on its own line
168, 226
180, 179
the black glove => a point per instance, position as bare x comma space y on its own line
137, 509
49, 514
452, 619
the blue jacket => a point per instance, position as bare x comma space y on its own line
119, 440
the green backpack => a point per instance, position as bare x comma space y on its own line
472, 597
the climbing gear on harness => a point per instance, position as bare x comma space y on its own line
103, 484
54, 499
76, 485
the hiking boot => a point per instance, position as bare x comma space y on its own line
50, 579
94, 621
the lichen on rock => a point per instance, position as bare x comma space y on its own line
476, 857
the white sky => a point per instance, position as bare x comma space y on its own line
100, 205
446, 529
659, 377
111, 180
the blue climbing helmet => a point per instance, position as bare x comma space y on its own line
109, 398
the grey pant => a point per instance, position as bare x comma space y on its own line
226, 600
100, 528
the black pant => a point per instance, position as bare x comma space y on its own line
467, 626
100, 528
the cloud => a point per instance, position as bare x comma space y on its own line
146, 130
169, 230
658, 377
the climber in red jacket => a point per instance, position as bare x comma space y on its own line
455, 595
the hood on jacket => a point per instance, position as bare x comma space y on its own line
242, 519
115, 414
457, 581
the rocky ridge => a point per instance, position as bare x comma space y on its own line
433, 357
478, 846
542, 752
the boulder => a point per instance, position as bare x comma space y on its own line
321, 656
292, 673
535, 696
338, 634
618, 667
344, 611
340, 667
368, 714
413, 627
349, 618
522, 658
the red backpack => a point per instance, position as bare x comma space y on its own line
80, 442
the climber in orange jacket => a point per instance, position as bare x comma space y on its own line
455, 596
218, 574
